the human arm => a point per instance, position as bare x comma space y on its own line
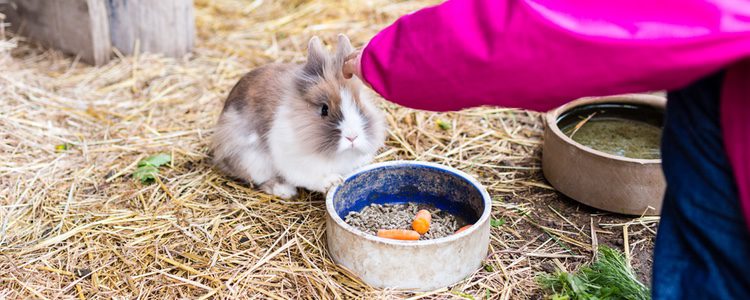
537, 55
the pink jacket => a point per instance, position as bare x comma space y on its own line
539, 54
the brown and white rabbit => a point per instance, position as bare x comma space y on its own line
285, 126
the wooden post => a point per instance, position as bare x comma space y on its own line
90, 28
160, 26
78, 27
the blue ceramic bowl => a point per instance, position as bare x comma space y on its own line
381, 262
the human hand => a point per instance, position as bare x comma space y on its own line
352, 66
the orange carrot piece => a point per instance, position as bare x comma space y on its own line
420, 225
422, 221
463, 228
424, 214
399, 234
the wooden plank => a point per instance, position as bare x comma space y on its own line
78, 27
159, 26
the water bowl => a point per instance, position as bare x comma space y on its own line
423, 265
614, 163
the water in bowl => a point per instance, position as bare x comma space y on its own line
621, 137
628, 130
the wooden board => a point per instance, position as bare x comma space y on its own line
90, 28
159, 26
78, 27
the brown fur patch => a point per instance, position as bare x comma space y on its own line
257, 95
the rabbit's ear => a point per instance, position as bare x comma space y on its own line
316, 57
344, 48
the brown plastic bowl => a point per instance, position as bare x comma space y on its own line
601, 180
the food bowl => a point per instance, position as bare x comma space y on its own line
422, 265
609, 182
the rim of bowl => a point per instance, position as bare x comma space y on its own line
646, 99
486, 200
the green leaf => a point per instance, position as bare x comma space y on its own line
489, 268
63, 147
497, 222
145, 173
443, 125
148, 168
156, 160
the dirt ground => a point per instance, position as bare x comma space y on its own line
75, 224
641, 238
544, 213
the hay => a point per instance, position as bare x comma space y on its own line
73, 224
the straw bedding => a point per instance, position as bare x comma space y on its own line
74, 224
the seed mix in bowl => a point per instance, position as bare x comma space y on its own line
399, 216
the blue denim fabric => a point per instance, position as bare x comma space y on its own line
702, 246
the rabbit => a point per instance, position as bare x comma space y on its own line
285, 126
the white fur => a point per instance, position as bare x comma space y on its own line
299, 166
254, 161
352, 125
283, 190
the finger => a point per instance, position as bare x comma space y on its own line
350, 64
348, 70
352, 55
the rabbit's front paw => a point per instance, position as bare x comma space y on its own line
278, 189
331, 181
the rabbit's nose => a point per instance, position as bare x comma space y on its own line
351, 138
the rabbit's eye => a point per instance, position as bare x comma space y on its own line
324, 110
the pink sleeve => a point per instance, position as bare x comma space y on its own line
538, 54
